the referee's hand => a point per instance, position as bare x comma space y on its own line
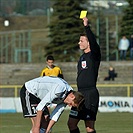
85, 21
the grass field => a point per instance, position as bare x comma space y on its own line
106, 123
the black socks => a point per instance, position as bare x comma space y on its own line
75, 131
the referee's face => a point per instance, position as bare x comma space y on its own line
84, 44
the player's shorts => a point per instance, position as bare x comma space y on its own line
84, 114
29, 103
90, 108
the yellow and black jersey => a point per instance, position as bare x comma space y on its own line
55, 71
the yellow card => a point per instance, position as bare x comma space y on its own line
83, 14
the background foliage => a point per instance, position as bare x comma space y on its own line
127, 20
65, 26
65, 29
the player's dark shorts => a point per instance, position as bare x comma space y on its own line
29, 103
90, 108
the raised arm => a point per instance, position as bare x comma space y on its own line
95, 49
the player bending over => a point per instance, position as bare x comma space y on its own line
38, 93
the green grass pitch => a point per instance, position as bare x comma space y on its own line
106, 123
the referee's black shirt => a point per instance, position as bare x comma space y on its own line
88, 64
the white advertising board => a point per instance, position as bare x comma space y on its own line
106, 104
114, 104
11, 105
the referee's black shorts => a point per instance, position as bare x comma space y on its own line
29, 103
90, 108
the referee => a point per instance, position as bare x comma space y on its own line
88, 66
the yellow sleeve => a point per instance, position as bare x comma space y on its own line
43, 72
58, 72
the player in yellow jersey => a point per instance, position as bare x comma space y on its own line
51, 69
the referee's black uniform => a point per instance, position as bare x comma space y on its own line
88, 66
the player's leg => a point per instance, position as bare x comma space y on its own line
44, 121
73, 120
25, 102
90, 126
73, 125
29, 103
42, 129
90, 110
33, 119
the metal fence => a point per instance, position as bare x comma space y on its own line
15, 46
125, 90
